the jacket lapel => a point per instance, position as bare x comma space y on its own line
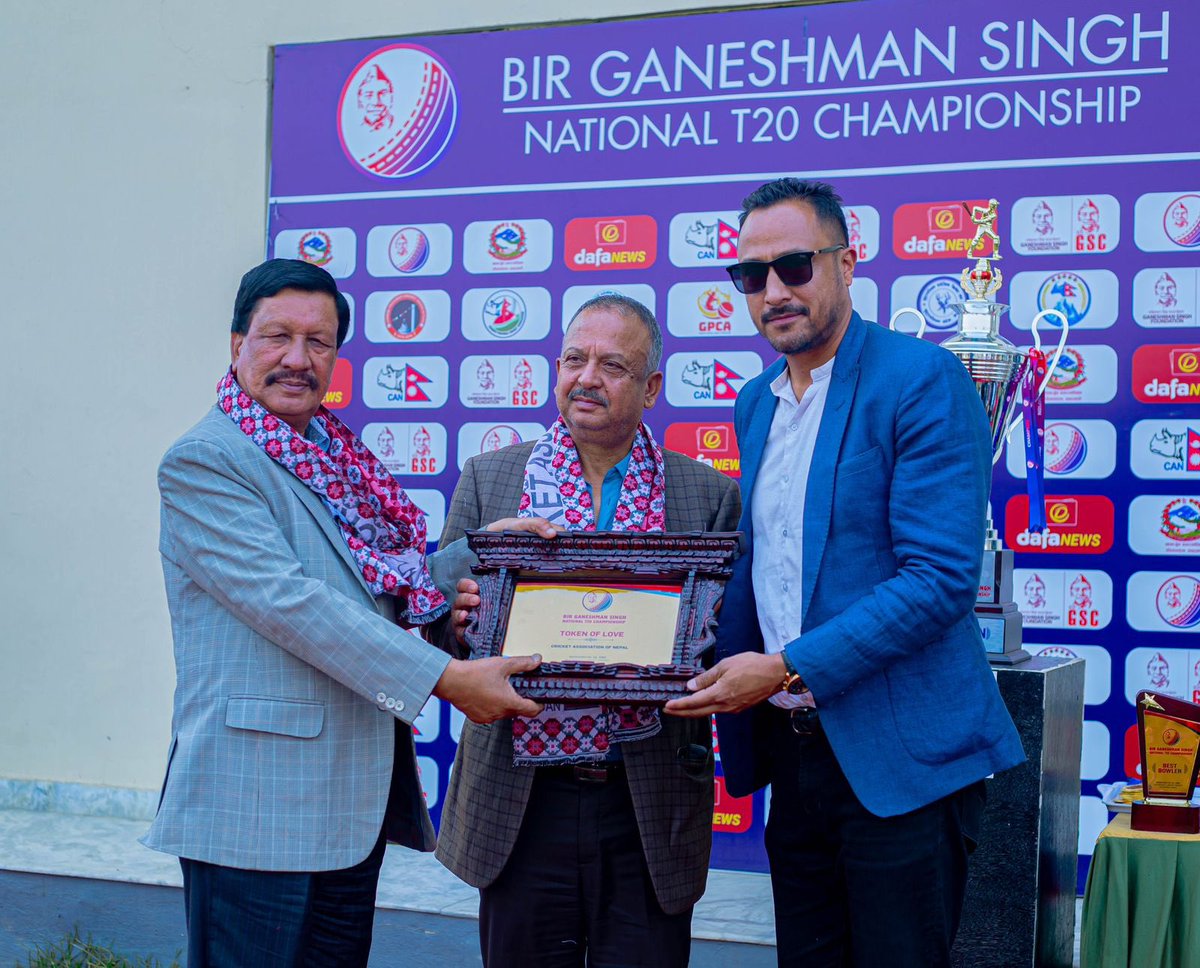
762, 410
818, 500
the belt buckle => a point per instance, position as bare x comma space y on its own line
804, 721
590, 774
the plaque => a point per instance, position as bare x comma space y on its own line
617, 616
1169, 735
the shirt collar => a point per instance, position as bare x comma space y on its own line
781, 386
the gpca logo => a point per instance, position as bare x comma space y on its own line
710, 443
394, 382
936, 230
703, 238
696, 380
1078, 524
707, 309
1160, 601
1166, 374
408, 448
1166, 297
624, 242
1164, 449
397, 111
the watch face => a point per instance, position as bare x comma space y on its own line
795, 686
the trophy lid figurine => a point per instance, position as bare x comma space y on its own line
1004, 375
1169, 736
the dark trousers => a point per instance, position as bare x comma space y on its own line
270, 919
854, 889
576, 889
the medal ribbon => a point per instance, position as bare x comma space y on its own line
1033, 406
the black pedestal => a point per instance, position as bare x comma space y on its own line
1020, 905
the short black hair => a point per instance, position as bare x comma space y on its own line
272, 277
630, 308
825, 201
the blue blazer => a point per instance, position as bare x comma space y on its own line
893, 537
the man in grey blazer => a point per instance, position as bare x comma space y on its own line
601, 859
289, 557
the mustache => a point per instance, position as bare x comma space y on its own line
583, 393
292, 375
776, 312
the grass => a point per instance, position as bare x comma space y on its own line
75, 952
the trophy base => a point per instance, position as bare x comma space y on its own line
1000, 626
1165, 818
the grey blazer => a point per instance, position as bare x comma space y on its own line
294, 690
487, 795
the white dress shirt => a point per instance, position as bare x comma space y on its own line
777, 512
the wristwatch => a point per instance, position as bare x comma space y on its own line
793, 684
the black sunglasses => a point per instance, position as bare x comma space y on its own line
793, 269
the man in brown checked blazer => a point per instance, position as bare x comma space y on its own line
600, 860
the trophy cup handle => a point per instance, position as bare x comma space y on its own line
916, 312
1058, 351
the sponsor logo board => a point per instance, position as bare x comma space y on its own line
513, 313
1167, 373
1165, 449
408, 316
1167, 297
504, 381
707, 379
862, 223
576, 296
1076, 449
1077, 524
710, 442
484, 437
508, 245
614, 242
1165, 524
707, 309
424, 249
407, 449
936, 297
731, 815
1173, 672
1089, 298
341, 386
1167, 221
937, 230
333, 249
703, 239
1061, 598
1163, 601
1083, 374
1065, 225
395, 382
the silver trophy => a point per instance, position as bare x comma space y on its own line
997, 367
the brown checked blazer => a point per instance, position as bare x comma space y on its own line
672, 792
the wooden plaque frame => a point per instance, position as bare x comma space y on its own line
701, 561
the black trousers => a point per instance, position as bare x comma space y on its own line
576, 890
853, 889
272, 919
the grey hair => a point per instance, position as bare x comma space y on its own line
630, 308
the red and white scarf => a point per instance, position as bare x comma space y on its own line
555, 489
381, 526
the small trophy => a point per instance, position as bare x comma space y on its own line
1004, 376
1169, 734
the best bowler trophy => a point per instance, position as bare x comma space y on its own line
1003, 374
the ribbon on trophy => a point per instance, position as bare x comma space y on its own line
1033, 405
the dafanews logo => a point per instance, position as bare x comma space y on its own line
1166, 373
731, 815
620, 242
1079, 524
937, 230
713, 444
341, 387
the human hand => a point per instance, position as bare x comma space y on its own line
732, 685
538, 526
481, 690
465, 602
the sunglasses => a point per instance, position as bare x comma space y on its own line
793, 269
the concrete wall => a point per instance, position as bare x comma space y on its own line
133, 154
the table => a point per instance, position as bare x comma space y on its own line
1141, 906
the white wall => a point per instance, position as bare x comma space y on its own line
133, 142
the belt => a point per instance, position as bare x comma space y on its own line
603, 772
804, 721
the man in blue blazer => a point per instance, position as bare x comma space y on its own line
290, 556
851, 674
